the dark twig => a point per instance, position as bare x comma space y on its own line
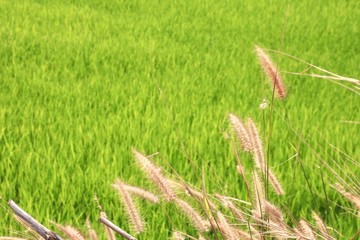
33, 224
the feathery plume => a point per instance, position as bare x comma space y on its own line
257, 149
274, 213
109, 232
199, 196
193, 215
277, 231
349, 196
321, 227
226, 230
190, 191
71, 232
138, 191
276, 224
201, 237
272, 72
91, 232
177, 235
259, 158
255, 234
259, 194
240, 132
28, 227
130, 207
243, 235
275, 183
306, 230
155, 175
230, 205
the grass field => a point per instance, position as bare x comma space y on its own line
83, 82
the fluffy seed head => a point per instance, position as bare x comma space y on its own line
178, 235
321, 227
109, 232
275, 183
306, 230
272, 72
241, 132
130, 207
71, 232
26, 225
230, 205
138, 192
91, 231
259, 194
257, 149
226, 230
154, 174
349, 196
200, 224
259, 158
274, 213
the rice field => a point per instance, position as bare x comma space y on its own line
82, 83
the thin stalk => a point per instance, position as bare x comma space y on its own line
116, 229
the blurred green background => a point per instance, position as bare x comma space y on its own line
83, 82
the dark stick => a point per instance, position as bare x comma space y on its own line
33, 224
109, 224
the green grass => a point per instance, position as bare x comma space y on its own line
83, 82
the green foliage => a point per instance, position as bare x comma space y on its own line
82, 82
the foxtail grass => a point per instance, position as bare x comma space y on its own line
91, 232
154, 174
306, 230
259, 157
271, 72
354, 199
108, 231
241, 132
136, 191
129, 205
198, 222
321, 227
227, 231
70, 231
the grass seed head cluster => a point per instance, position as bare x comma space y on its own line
215, 215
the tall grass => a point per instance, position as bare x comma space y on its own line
84, 82
258, 219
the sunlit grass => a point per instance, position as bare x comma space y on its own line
82, 83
